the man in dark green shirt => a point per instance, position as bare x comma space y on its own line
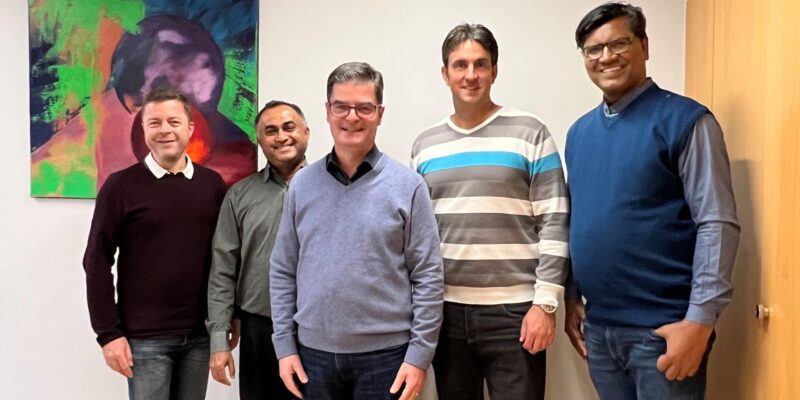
238, 286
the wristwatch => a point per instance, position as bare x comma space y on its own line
550, 309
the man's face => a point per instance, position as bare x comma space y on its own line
616, 74
282, 135
354, 131
167, 130
469, 73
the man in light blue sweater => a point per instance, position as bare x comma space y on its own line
356, 279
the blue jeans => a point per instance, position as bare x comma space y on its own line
169, 368
482, 341
622, 365
350, 376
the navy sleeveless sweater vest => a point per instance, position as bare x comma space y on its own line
632, 236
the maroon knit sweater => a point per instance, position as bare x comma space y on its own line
163, 230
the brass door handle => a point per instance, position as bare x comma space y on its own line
762, 312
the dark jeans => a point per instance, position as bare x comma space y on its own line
622, 365
482, 341
169, 369
350, 376
258, 365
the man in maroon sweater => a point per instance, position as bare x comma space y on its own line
160, 214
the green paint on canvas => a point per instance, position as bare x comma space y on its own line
79, 184
76, 39
46, 182
238, 93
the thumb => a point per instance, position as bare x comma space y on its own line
662, 363
301, 373
232, 367
128, 356
398, 381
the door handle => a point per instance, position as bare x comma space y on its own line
762, 312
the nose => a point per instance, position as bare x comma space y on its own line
281, 136
352, 113
607, 54
471, 74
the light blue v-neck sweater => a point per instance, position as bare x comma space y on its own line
357, 268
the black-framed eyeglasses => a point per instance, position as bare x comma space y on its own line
363, 110
618, 46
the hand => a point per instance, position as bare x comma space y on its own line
288, 367
575, 313
538, 330
217, 364
413, 377
118, 356
686, 345
234, 333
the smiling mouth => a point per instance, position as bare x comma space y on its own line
611, 69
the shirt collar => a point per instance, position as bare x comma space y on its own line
627, 99
159, 171
268, 173
370, 159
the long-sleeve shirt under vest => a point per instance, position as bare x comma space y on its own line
502, 207
704, 172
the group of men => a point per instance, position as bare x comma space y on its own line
349, 277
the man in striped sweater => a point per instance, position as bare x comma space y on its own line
501, 204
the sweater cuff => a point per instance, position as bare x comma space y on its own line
285, 345
419, 357
109, 336
546, 293
219, 342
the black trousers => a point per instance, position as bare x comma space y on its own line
258, 366
480, 342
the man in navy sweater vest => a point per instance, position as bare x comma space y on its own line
356, 277
160, 214
654, 232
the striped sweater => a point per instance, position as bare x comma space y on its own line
501, 204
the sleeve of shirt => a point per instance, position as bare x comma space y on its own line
283, 281
705, 171
225, 264
426, 272
99, 258
550, 204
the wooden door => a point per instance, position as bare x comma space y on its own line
743, 61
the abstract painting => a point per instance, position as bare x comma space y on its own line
93, 61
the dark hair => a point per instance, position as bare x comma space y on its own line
475, 32
357, 72
166, 93
607, 12
277, 103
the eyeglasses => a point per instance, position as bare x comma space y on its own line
618, 46
363, 110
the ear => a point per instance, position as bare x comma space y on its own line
191, 128
646, 47
445, 76
380, 114
494, 72
327, 112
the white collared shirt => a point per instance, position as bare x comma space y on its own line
159, 171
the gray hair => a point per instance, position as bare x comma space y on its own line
475, 32
360, 72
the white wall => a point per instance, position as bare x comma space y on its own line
46, 340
